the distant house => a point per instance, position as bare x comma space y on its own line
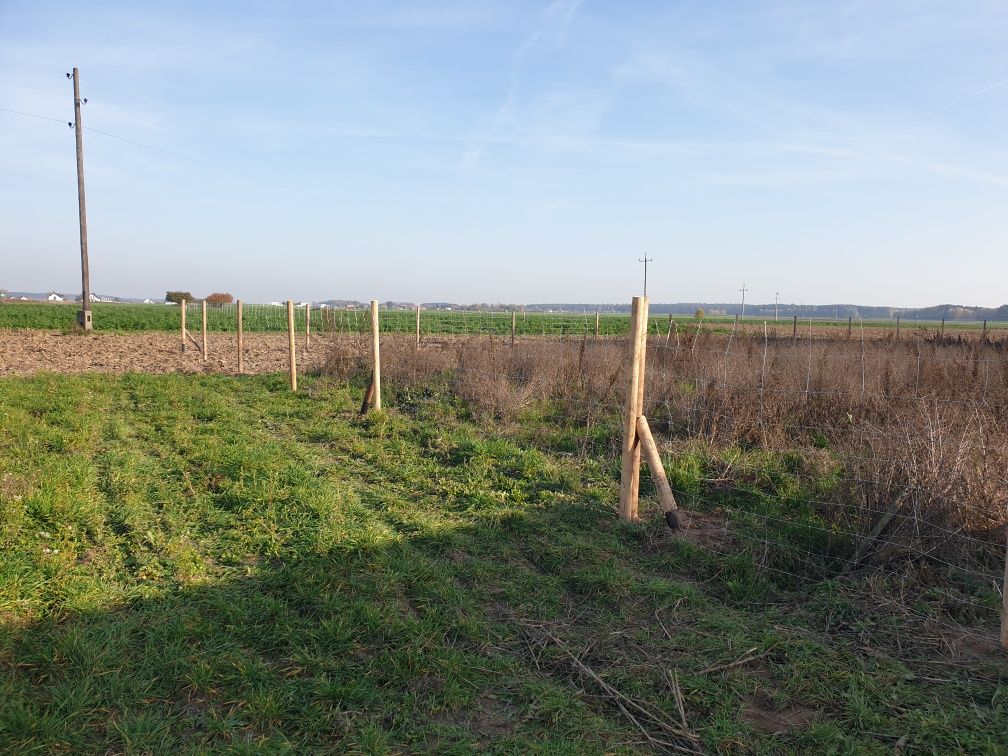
92, 297
54, 297
148, 301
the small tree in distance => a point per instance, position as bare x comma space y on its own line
699, 314
178, 296
219, 299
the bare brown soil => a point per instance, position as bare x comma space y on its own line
27, 352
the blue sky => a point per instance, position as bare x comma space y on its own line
518, 152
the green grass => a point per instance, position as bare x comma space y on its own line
207, 563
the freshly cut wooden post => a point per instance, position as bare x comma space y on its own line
241, 340
376, 355
307, 325
291, 349
513, 316
658, 472
640, 398
204, 332
183, 326
418, 326
596, 324
630, 457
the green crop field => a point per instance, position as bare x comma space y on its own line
266, 318
210, 563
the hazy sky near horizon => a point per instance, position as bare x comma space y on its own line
511, 151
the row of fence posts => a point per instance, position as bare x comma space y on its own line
203, 344
636, 435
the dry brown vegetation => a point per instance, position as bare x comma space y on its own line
902, 444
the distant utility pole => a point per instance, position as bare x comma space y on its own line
645, 260
84, 316
775, 296
743, 290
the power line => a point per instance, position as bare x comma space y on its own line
178, 155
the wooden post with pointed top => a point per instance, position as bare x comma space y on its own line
204, 332
632, 409
376, 355
241, 340
291, 347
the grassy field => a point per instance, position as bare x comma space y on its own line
203, 564
265, 318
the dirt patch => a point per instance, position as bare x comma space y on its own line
27, 352
488, 718
761, 714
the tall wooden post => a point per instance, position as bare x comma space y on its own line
631, 451
204, 332
183, 325
941, 334
983, 338
291, 348
513, 317
307, 325
897, 327
596, 325
376, 355
84, 316
418, 326
850, 323
241, 340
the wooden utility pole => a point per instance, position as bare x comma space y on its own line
84, 316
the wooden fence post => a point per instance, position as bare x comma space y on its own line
307, 325
183, 326
794, 328
850, 322
631, 451
241, 340
596, 325
513, 317
897, 327
941, 334
291, 348
376, 355
983, 338
204, 332
418, 326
